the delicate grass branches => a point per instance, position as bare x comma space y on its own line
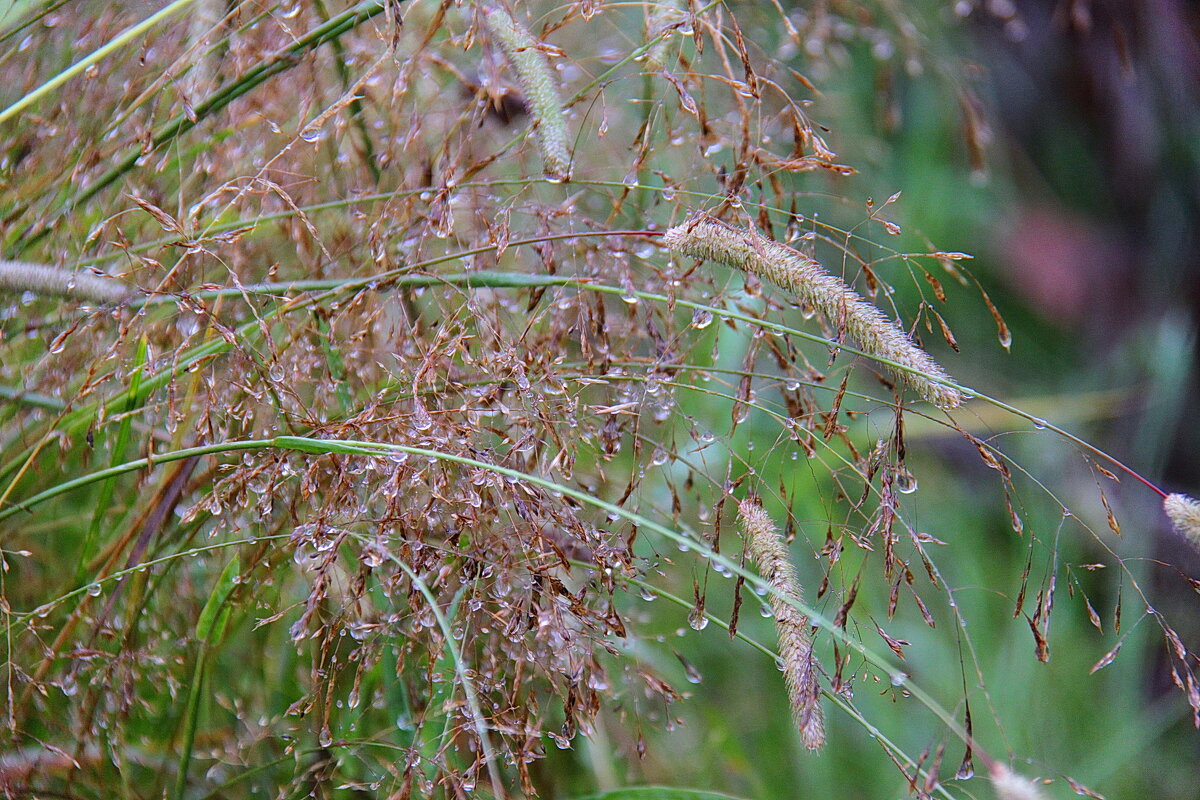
704, 236
540, 87
770, 553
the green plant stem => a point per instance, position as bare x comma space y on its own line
460, 668
123, 39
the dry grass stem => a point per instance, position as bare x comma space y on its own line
1184, 513
703, 236
769, 552
21, 276
540, 87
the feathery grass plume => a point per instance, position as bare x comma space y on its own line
1184, 513
1011, 786
541, 90
704, 236
21, 276
769, 552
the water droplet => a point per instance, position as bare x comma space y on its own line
766, 611
697, 620
702, 318
93, 590
899, 678
312, 134
646, 594
904, 482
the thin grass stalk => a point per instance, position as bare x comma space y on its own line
836, 699
121, 40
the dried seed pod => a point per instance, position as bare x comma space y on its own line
540, 87
1184, 513
21, 276
769, 552
703, 236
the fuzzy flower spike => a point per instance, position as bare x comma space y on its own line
770, 553
706, 237
43, 279
1184, 513
540, 87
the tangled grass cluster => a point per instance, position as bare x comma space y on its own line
350, 399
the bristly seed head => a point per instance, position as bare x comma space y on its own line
703, 236
770, 553
540, 87
1184, 513
1011, 786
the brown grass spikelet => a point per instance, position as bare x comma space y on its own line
704, 236
540, 87
1011, 786
1184, 513
21, 276
769, 552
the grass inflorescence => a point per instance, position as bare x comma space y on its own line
379, 433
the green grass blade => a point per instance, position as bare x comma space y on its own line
122, 40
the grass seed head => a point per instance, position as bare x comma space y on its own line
540, 87
770, 553
21, 276
1011, 786
703, 236
1184, 513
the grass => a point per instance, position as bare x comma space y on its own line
405, 469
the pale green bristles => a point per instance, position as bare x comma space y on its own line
540, 87
1184, 513
703, 236
1011, 786
770, 553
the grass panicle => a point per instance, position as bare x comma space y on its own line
1184, 513
704, 236
770, 553
540, 87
